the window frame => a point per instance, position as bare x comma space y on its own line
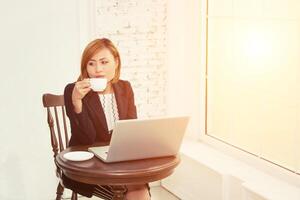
224, 146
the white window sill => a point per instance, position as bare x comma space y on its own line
253, 179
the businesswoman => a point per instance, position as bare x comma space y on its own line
93, 114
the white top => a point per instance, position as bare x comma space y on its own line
109, 105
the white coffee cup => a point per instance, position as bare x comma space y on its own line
98, 84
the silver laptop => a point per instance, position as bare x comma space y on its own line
143, 138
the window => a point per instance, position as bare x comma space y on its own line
253, 77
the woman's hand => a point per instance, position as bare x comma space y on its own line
81, 88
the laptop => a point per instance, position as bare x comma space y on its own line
136, 139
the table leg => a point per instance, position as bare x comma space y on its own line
119, 192
74, 196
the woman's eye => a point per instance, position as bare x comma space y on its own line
90, 63
104, 62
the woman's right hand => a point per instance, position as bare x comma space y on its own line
80, 89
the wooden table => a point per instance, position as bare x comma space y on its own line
94, 171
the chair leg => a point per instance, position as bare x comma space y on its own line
74, 196
59, 191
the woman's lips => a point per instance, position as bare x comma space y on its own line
100, 76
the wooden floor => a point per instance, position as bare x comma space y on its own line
157, 193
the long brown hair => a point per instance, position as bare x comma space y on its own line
91, 49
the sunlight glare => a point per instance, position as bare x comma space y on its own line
257, 45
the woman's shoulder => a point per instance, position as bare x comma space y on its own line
123, 83
123, 86
69, 88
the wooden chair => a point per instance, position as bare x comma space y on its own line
58, 133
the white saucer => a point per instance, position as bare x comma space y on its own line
78, 155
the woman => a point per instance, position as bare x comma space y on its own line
93, 114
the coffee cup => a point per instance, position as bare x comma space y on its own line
98, 84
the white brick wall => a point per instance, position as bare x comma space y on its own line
138, 29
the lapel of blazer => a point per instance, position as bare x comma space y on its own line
93, 102
121, 100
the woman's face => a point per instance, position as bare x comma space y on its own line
102, 65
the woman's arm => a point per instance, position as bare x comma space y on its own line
82, 128
131, 113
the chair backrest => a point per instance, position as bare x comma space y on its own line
57, 121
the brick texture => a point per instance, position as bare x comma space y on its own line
138, 29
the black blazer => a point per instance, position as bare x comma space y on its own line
89, 126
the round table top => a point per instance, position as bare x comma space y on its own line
95, 171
